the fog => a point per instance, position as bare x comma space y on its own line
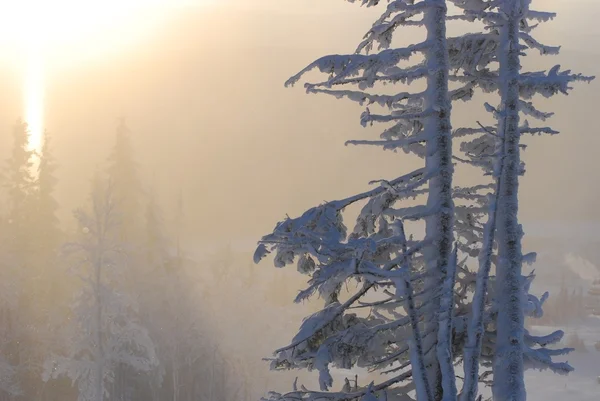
203, 95
212, 125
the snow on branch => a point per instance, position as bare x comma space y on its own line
341, 67
549, 84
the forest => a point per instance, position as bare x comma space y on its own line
117, 275
421, 283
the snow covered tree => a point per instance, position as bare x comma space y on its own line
46, 223
122, 171
420, 274
20, 182
509, 24
105, 331
128, 194
20, 246
44, 279
170, 312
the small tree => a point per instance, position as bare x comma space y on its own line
123, 172
21, 183
105, 332
169, 311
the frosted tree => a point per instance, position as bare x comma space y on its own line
20, 246
47, 224
105, 331
20, 183
43, 278
170, 312
319, 242
123, 172
418, 275
509, 24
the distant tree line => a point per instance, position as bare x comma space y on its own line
104, 308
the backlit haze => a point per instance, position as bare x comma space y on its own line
201, 86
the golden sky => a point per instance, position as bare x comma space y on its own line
203, 93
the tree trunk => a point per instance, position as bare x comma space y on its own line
509, 383
439, 226
472, 351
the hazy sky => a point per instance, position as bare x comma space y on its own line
203, 93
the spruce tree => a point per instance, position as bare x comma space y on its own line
122, 172
20, 245
104, 333
48, 231
509, 25
20, 184
49, 299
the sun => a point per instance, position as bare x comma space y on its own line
46, 30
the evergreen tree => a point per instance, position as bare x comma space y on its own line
171, 314
123, 174
49, 300
510, 23
419, 275
105, 333
422, 275
46, 222
20, 183
20, 245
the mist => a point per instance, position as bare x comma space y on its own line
226, 152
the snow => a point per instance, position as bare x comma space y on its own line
580, 385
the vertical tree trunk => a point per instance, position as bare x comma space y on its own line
439, 226
509, 383
472, 352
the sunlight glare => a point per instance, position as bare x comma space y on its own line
34, 96
78, 28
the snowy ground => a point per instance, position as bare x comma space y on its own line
580, 385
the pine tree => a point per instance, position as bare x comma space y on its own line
46, 286
47, 225
172, 317
50, 285
509, 26
21, 247
378, 254
122, 172
20, 182
105, 333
